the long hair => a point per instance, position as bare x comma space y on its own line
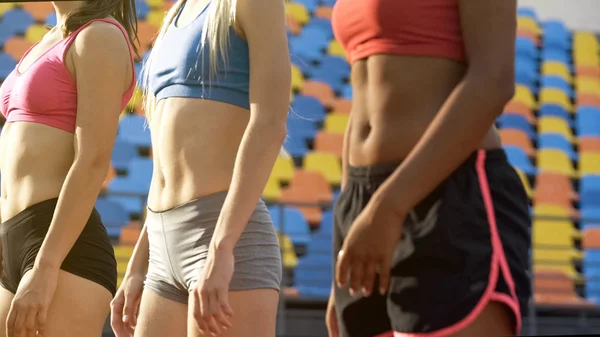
122, 10
221, 16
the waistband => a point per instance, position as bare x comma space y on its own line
379, 172
42, 208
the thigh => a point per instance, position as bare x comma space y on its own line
254, 314
160, 316
494, 321
5, 301
79, 307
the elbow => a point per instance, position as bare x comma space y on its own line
94, 166
495, 85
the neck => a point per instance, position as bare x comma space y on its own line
63, 9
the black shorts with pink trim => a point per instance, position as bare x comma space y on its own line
463, 246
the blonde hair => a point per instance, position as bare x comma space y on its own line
215, 36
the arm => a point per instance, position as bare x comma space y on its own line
101, 61
345, 152
270, 80
489, 34
138, 263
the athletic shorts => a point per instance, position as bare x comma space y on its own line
464, 245
179, 239
92, 256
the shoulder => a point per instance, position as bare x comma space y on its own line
101, 39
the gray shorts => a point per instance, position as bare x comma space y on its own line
179, 240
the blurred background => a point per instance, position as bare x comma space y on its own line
550, 131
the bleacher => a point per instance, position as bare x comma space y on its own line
550, 130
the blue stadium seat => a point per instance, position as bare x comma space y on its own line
7, 65
327, 224
308, 107
137, 181
320, 246
313, 277
123, 152
142, 9
301, 127
555, 55
589, 191
295, 145
322, 25
294, 224
556, 35
322, 74
527, 12
132, 128
16, 21
336, 65
514, 121
519, 159
558, 83
588, 121
556, 141
555, 110
306, 48
133, 205
5, 33
114, 217
590, 217
524, 47
347, 92
526, 73
51, 19
305, 65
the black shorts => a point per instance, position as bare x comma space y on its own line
92, 256
463, 246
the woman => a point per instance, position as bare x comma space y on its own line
218, 81
62, 104
431, 233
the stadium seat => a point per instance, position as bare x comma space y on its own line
295, 145
314, 182
557, 82
113, 216
524, 95
589, 190
519, 159
526, 48
347, 92
123, 152
555, 125
298, 12
336, 65
155, 17
343, 106
556, 55
557, 69
518, 138
323, 27
297, 78
137, 181
324, 12
555, 110
557, 141
272, 191
336, 123
329, 142
591, 238
142, 9
326, 227
525, 182
589, 163
313, 277
291, 222
283, 170
589, 144
587, 71
327, 164
550, 286
301, 199
551, 160
16, 21
529, 24
304, 47
336, 49
520, 108
133, 129
7, 65
290, 259
133, 205
38, 10
526, 73
588, 85
586, 99
146, 35
590, 217
320, 90
588, 122
308, 107
513, 121
301, 127
555, 96
554, 188
35, 33
556, 35
16, 47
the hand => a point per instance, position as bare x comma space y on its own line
331, 318
209, 298
125, 305
369, 247
29, 308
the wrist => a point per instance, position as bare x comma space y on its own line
386, 198
221, 245
46, 264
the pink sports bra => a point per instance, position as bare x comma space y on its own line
46, 93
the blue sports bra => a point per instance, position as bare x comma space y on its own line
180, 69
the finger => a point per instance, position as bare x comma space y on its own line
213, 310
198, 311
341, 270
368, 278
116, 317
225, 313
356, 276
384, 275
129, 311
19, 323
10, 321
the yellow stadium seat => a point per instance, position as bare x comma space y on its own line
290, 259
272, 189
550, 233
525, 182
155, 17
549, 124
297, 78
585, 41
298, 12
557, 69
529, 24
555, 96
586, 59
336, 49
336, 122
588, 85
4, 7
551, 160
589, 163
35, 33
283, 170
524, 95
327, 164
123, 252
556, 258
155, 3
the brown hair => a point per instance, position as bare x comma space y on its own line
122, 10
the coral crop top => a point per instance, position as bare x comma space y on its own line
46, 93
399, 27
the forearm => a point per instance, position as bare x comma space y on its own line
138, 263
452, 136
256, 156
75, 204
